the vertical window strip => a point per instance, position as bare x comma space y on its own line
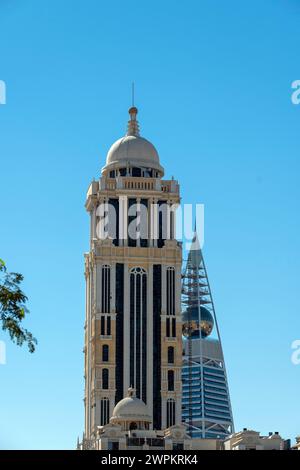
173, 291
157, 302
104, 408
168, 328
170, 412
108, 326
132, 294
170, 380
105, 379
144, 338
138, 334
170, 355
173, 334
102, 328
105, 297
119, 353
105, 353
138, 338
170, 291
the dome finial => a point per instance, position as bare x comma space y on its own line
133, 125
131, 392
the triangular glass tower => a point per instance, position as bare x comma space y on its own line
206, 407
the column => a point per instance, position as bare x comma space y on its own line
150, 222
123, 220
155, 221
168, 217
138, 221
93, 223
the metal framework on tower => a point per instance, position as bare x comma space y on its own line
206, 402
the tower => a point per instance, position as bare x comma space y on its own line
133, 331
206, 407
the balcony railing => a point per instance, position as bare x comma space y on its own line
139, 184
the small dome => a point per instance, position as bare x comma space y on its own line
130, 409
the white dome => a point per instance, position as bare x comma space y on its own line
132, 150
130, 408
135, 150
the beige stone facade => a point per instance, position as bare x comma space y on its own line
140, 359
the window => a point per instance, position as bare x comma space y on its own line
105, 325
170, 380
170, 291
104, 417
112, 214
170, 412
170, 355
119, 292
105, 353
105, 299
168, 328
102, 326
171, 327
132, 426
113, 445
173, 334
178, 445
156, 297
132, 222
108, 326
138, 331
136, 172
105, 379
144, 223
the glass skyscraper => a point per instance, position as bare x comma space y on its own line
206, 407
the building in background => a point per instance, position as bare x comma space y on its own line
252, 440
206, 407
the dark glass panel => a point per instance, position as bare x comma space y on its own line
119, 329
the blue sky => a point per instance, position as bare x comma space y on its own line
213, 88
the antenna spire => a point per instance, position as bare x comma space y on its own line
132, 94
133, 125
